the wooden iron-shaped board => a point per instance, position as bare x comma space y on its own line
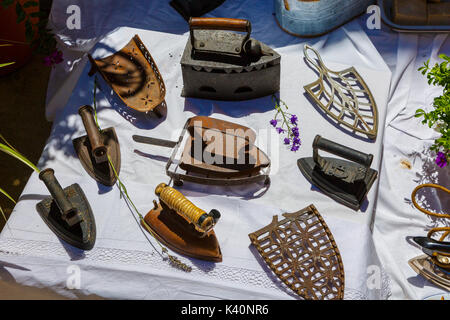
133, 75
301, 251
221, 149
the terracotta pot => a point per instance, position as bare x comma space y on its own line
13, 33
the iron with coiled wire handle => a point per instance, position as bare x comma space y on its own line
175, 200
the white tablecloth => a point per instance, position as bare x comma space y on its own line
123, 263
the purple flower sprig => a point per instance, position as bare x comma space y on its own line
288, 124
441, 159
53, 58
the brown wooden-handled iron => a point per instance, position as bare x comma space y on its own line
248, 46
240, 25
68, 212
341, 151
99, 150
175, 200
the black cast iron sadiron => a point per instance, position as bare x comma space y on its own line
347, 182
67, 212
223, 65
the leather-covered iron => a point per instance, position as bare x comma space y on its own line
67, 212
183, 227
347, 182
93, 149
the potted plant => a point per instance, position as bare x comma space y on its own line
23, 30
439, 117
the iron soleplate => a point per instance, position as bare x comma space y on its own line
81, 235
350, 194
102, 172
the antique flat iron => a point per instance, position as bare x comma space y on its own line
67, 212
435, 267
344, 181
223, 65
344, 96
216, 152
133, 75
302, 252
194, 8
183, 227
93, 149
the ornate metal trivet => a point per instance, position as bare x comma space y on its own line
344, 96
301, 250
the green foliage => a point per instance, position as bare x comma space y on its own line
8, 149
38, 35
438, 75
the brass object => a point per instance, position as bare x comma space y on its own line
439, 251
133, 75
301, 251
347, 182
425, 266
216, 152
344, 96
67, 212
183, 227
93, 149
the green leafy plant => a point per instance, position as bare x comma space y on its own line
7, 63
37, 34
10, 150
439, 117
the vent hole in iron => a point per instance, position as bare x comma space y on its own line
243, 89
207, 89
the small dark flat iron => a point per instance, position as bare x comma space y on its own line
344, 181
223, 65
67, 212
93, 149
216, 152
183, 227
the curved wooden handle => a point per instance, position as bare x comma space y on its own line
240, 25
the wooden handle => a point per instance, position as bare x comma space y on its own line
240, 25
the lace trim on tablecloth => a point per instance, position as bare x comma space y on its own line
98, 255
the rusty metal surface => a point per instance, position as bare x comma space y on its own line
134, 76
70, 200
224, 70
97, 166
347, 182
179, 235
344, 96
198, 171
301, 251
424, 266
